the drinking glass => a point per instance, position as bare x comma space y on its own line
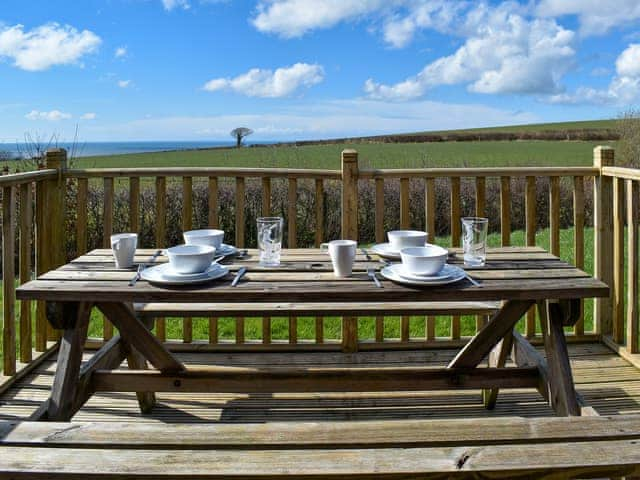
270, 240
474, 241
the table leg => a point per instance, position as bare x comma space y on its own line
497, 359
136, 361
63, 392
562, 394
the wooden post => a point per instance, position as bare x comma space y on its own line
603, 227
50, 229
350, 194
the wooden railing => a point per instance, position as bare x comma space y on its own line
21, 342
50, 187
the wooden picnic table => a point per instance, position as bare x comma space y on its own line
518, 276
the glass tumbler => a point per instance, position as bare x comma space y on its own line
270, 240
474, 241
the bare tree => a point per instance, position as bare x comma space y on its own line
628, 127
239, 133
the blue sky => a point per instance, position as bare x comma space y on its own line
300, 69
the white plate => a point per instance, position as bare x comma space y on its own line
226, 250
385, 251
393, 273
164, 274
446, 272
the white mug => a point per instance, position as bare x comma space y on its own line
124, 248
343, 254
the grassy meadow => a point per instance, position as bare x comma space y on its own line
373, 155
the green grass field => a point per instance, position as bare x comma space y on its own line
379, 155
535, 127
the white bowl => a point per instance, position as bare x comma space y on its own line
190, 258
399, 239
209, 236
427, 260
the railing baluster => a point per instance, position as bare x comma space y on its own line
292, 198
456, 228
431, 328
633, 201
404, 328
107, 221
213, 330
481, 196
266, 212
213, 202
293, 330
40, 242
81, 216
8, 280
239, 330
134, 204
379, 329
531, 227
266, 330
240, 200
161, 238
578, 239
319, 234
213, 223
319, 330
554, 215
430, 208
430, 224
266, 197
187, 224
379, 210
618, 260
26, 232
405, 218
505, 210
107, 326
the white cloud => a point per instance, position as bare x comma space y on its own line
294, 18
124, 83
53, 115
318, 120
171, 4
439, 15
88, 116
596, 16
120, 52
624, 88
504, 53
266, 83
45, 46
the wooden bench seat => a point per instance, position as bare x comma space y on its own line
512, 447
315, 309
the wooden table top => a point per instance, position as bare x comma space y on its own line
523, 273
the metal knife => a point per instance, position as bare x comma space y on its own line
238, 276
142, 266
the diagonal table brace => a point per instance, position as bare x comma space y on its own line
502, 323
136, 334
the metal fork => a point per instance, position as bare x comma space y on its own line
371, 273
366, 254
142, 266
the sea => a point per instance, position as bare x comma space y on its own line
93, 149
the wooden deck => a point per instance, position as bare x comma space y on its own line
606, 381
